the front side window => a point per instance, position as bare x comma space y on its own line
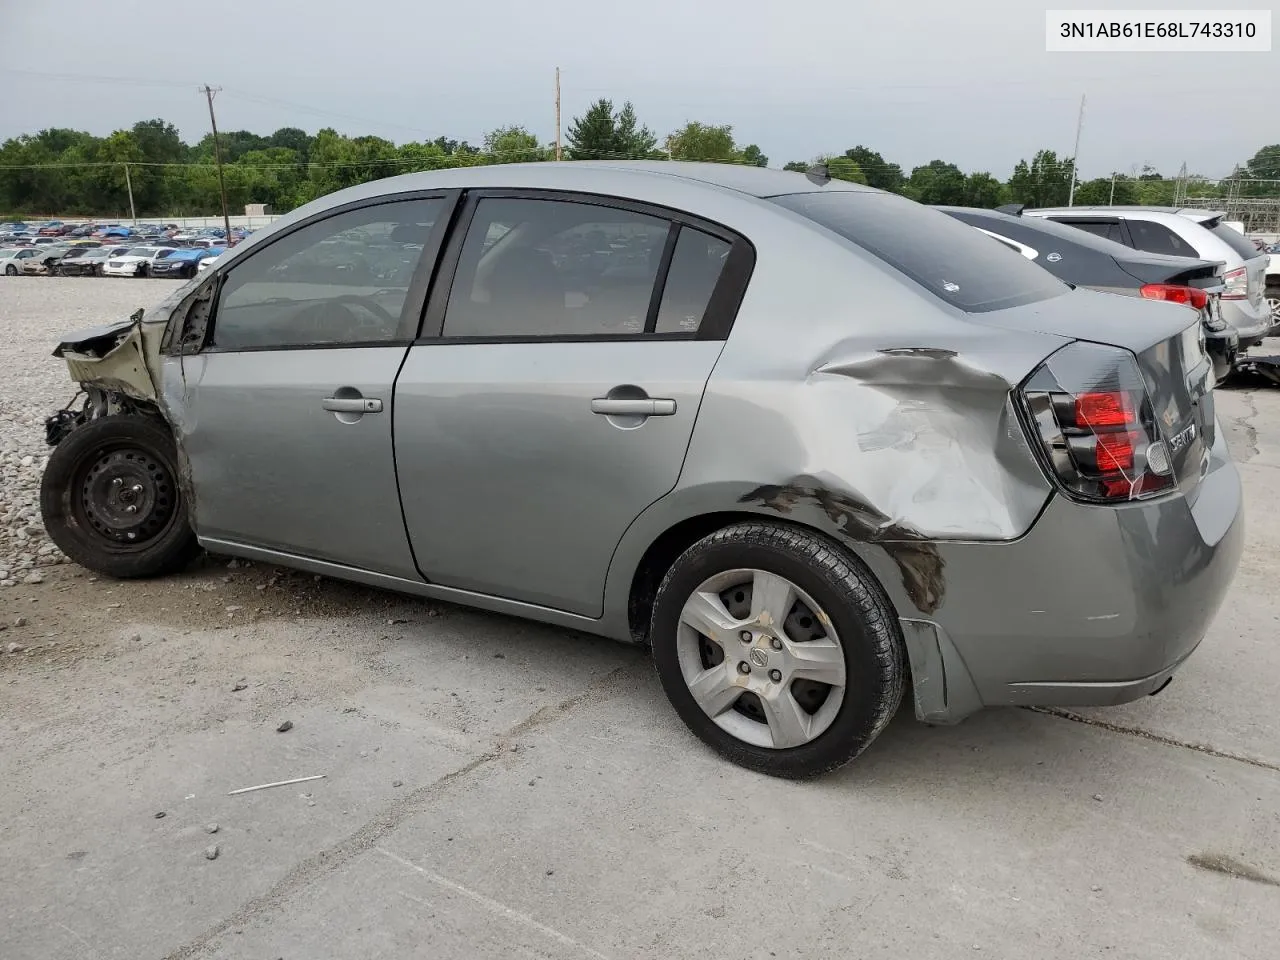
552, 268
341, 280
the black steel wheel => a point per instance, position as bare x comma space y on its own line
111, 501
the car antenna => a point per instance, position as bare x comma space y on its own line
1013, 209
818, 173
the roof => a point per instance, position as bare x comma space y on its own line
1192, 213
597, 176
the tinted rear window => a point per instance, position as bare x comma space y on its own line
1236, 240
954, 262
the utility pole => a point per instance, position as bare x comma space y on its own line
133, 214
1112, 199
557, 113
217, 158
1075, 154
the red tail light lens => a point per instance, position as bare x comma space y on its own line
1237, 284
1090, 407
1174, 293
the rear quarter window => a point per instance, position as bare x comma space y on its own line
951, 260
1236, 240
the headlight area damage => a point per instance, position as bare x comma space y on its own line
116, 494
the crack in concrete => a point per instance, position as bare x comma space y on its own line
325, 862
1157, 738
1247, 427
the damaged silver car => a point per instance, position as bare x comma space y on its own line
818, 445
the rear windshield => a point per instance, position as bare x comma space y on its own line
951, 260
1236, 240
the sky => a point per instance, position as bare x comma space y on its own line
969, 83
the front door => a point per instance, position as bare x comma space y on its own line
287, 408
557, 398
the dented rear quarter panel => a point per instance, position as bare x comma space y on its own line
849, 400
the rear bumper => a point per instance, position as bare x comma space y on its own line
1095, 605
1250, 322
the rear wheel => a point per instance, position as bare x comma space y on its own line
777, 649
1273, 303
10, 270
111, 501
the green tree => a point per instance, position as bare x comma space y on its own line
292, 138
631, 138
879, 173
700, 141
797, 166
937, 182
1265, 165
1099, 192
513, 144
602, 133
751, 154
1044, 182
983, 190
843, 168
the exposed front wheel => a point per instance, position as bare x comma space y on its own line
110, 499
777, 649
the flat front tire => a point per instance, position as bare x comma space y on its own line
111, 501
778, 649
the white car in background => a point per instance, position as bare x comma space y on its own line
136, 263
11, 259
208, 262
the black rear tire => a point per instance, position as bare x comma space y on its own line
860, 611
10, 270
95, 475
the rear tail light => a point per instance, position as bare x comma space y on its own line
1174, 293
1090, 407
1237, 282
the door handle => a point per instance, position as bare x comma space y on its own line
620, 407
352, 404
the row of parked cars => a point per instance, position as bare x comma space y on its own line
19, 233
1187, 256
116, 260
110, 249
819, 446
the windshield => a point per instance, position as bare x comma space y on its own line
139, 252
954, 262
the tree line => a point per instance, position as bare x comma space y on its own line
70, 172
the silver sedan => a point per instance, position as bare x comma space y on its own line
820, 447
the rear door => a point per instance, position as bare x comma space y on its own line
554, 392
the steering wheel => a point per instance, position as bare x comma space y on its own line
334, 318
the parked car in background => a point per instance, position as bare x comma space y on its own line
1084, 259
91, 262
1272, 291
211, 259
45, 259
11, 260
69, 257
831, 448
179, 263
1187, 232
54, 228
136, 262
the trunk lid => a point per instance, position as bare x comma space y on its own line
1167, 340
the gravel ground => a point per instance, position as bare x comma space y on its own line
492, 788
35, 312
